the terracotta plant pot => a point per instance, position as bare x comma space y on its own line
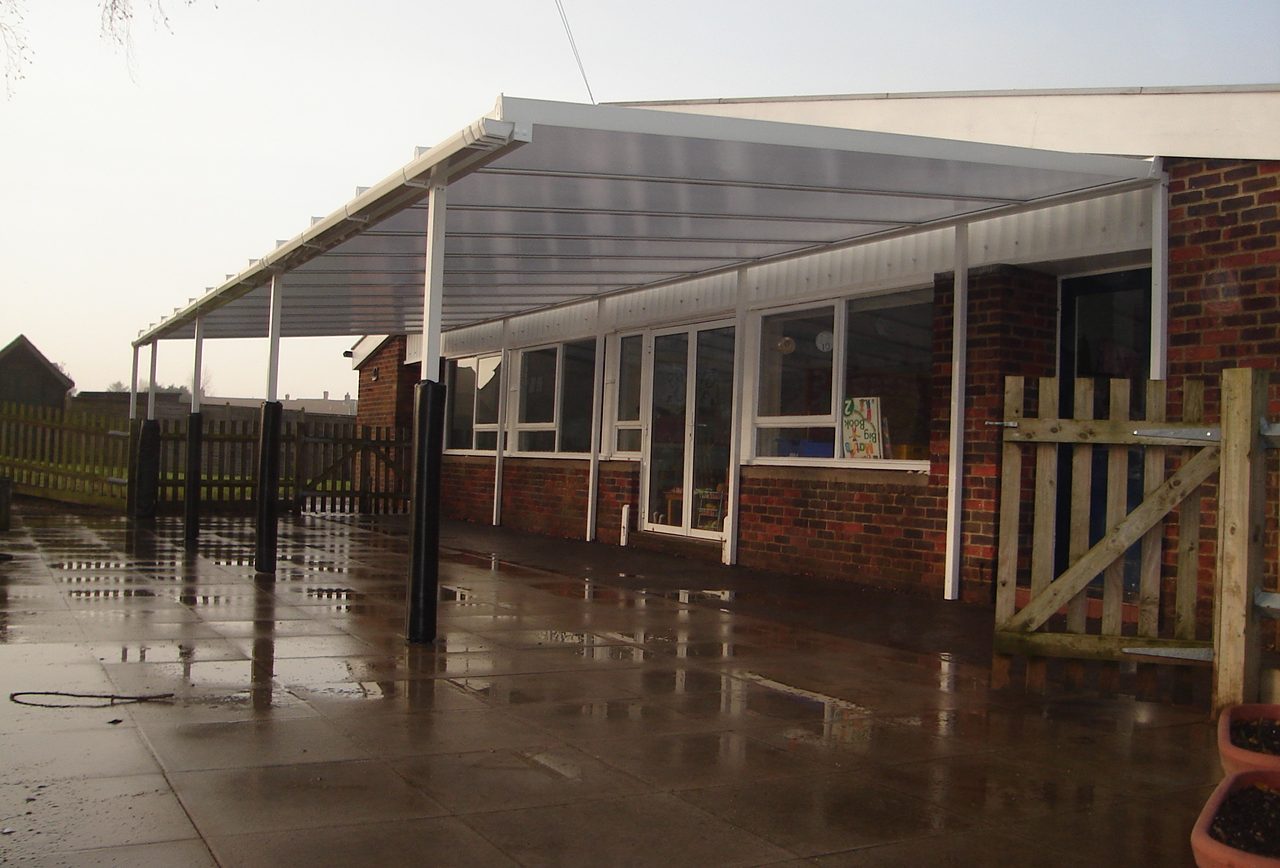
1237, 759
1211, 853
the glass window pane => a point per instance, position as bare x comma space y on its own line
461, 383
629, 440
629, 361
577, 388
487, 440
795, 363
537, 441
712, 426
667, 436
487, 380
538, 386
796, 442
887, 379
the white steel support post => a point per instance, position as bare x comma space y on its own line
729, 550
500, 448
151, 384
1160, 276
273, 337
197, 366
597, 421
269, 439
195, 446
133, 386
955, 469
428, 435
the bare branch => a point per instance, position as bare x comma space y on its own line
15, 52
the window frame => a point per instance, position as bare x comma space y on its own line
515, 427
613, 397
450, 397
755, 422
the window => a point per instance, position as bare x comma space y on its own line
472, 418
847, 381
557, 391
796, 364
627, 422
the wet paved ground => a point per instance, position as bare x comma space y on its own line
562, 720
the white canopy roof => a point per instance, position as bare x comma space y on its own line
551, 203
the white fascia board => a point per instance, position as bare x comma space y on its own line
392, 194
364, 348
528, 113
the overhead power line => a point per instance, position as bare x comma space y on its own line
564, 19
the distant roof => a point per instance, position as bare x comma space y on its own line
1215, 121
21, 343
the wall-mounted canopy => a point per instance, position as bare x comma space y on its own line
555, 202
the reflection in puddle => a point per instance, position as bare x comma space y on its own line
108, 593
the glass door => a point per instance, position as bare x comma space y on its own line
690, 426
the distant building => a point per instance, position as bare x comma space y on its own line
27, 377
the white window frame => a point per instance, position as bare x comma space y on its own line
515, 426
451, 397
614, 394
756, 422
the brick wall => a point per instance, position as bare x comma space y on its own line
1224, 301
875, 527
388, 399
466, 487
619, 484
1224, 253
545, 495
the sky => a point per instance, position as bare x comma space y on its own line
133, 179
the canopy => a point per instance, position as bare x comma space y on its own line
551, 203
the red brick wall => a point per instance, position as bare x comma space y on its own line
545, 495
875, 527
466, 487
619, 484
388, 400
1224, 300
1224, 252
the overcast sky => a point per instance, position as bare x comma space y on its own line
131, 182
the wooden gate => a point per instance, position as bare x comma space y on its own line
342, 468
1080, 606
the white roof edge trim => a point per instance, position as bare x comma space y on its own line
364, 348
1137, 90
488, 130
749, 130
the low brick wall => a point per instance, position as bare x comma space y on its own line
619, 485
869, 526
466, 487
546, 495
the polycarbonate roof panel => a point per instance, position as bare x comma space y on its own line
550, 203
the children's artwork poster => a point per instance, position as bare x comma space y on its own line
861, 430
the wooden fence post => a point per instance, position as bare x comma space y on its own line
1241, 508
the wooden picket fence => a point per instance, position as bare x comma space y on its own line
1083, 608
66, 456
326, 466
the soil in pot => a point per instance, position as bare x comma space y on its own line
1249, 820
1260, 736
